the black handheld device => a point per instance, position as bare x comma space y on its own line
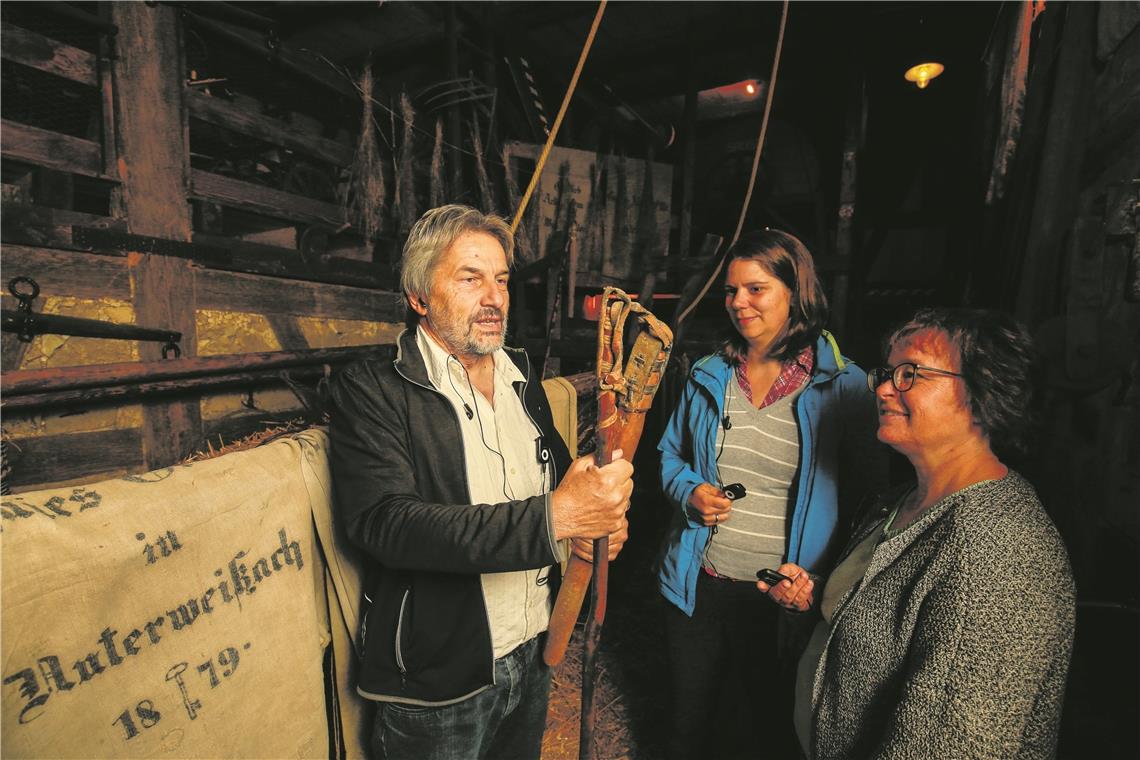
733, 491
771, 577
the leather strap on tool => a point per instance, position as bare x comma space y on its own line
625, 393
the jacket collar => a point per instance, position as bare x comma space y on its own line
410, 363
714, 371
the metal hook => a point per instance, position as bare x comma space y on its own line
171, 347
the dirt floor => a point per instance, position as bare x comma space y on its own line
632, 687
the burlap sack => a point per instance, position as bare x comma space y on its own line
186, 612
563, 400
179, 613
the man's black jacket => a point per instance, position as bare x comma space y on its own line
400, 485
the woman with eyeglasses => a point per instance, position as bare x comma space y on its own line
767, 454
948, 621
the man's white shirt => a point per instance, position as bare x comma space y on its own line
500, 457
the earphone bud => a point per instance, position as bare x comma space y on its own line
726, 423
470, 414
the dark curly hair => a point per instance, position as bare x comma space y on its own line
997, 361
786, 258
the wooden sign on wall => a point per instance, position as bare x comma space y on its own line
618, 206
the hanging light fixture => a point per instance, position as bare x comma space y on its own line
923, 73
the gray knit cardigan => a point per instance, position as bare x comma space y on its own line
956, 643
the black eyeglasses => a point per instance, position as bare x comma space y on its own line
902, 375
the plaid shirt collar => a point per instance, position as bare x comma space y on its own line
793, 374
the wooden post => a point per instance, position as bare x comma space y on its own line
454, 113
153, 157
845, 227
490, 77
1056, 188
689, 135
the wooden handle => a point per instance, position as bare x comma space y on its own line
616, 429
575, 584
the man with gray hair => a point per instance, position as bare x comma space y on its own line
450, 476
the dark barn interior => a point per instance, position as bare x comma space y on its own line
238, 179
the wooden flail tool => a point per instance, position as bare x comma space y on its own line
626, 386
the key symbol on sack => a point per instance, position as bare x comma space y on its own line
192, 705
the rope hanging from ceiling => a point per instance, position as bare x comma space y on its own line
755, 165
558, 119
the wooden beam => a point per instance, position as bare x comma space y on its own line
153, 162
63, 273
230, 291
53, 150
110, 133
93, 275
89, 398
287, 330
12, 350
255, 258
38, 460
237, 425
49, 227
47, 55
263, 200
296, 62
226, 253
228, 115
55, 379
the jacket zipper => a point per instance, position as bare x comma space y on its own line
399, 630
486, 617
364, 623
482, 592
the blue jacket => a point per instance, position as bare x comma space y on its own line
840, 462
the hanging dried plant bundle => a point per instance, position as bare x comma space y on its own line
363, 195
563, 212
404, 205
486, 192
645, 235
436, 191
593, 223
524, 249
509, 178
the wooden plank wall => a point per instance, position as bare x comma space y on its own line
149, 254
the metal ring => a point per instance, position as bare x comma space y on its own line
22, 281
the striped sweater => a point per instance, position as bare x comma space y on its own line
956, 643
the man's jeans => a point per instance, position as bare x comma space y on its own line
503, 722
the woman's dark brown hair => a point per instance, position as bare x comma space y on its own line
789, 260
997, 362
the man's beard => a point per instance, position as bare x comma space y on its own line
463, 338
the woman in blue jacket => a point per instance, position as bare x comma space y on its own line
770, 449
